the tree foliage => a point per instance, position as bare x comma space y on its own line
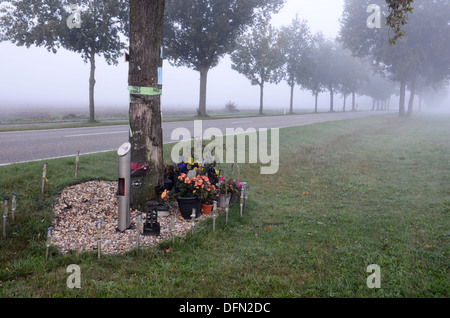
399, 11
44, 23
423, 50
295, 44
198, 33
258, 57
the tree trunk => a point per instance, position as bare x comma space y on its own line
345, 100
373, 104
292, 98
146, 35
402, 99
353, 102
317, 102
411, 98
331, 99
203, 85
261, 99
92, 87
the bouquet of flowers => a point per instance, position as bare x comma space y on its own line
230, 186
198, 186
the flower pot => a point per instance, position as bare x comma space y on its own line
168, 184
234, 198
185, 205
206, 209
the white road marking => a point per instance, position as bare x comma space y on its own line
52, 158
242, 122
96, 134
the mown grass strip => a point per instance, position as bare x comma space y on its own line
348, 194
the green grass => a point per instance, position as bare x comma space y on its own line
376, 191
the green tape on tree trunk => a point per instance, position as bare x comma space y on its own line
149, 91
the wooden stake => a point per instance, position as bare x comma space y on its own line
77, 160
44, 177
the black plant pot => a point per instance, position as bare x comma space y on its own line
185, 205
168, 184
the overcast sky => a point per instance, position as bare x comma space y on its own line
34, 77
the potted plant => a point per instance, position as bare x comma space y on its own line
206, 192
229, 189
186, 197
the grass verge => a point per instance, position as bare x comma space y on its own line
348, 194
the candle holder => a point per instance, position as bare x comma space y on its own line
5, 215
138, 230
172, 226
13, 206
151, 225
49, 241
194, 213
247, 191
214, 215
99, 238
244, 191
241, 205
227, 209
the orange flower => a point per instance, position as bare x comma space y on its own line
164, 194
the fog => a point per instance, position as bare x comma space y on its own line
33, 78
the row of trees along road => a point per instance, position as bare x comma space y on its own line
419, 59
293, 54
197, 33
43, 23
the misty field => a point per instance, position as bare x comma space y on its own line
348, 194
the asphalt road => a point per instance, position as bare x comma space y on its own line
36, 145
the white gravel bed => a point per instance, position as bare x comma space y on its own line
78, 209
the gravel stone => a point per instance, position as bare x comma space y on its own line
79, 207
